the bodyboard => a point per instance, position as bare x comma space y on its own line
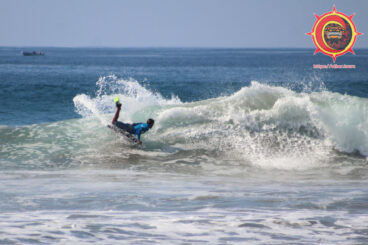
124, 134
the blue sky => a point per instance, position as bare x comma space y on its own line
169, 23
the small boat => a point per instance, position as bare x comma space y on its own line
34, 53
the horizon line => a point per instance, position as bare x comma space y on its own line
167, 47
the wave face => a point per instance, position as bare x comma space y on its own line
258, 127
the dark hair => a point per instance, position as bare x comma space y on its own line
150, 121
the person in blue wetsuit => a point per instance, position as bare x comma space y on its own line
136, 128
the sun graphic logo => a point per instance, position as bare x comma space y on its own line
334, 34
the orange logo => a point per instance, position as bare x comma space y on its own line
334, 34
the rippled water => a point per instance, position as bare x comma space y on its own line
244, 150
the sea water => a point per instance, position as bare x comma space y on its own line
250, 146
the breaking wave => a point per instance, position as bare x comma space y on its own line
259, 126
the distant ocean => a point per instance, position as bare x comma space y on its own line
250, 146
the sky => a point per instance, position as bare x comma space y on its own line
170, 23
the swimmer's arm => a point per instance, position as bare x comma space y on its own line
138, 132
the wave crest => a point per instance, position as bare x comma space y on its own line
259, 125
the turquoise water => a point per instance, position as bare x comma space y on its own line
250, 146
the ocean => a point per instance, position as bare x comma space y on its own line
249, 146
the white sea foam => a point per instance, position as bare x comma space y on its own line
270, 126
260, 125
100, 206
133, 97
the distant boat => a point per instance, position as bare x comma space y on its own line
34, 53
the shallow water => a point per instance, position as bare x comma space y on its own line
95, 205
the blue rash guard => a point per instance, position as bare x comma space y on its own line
135, 128
140, 128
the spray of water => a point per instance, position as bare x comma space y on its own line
259, 125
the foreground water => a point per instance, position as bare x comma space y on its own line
84, 206
244, 150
